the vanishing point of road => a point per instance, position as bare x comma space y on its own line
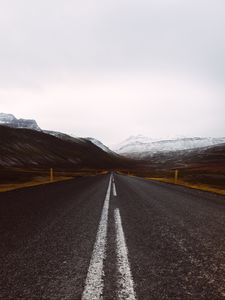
112, 237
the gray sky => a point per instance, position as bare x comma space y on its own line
114, 68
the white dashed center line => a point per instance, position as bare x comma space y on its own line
114, 189
94, 281
125, 280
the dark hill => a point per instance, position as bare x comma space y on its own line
203, 165
25, 148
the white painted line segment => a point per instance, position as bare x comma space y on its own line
114, 190
125, 280
94, 282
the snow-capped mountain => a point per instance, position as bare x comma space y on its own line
140, 146
11, 121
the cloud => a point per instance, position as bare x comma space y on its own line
151, 66
113, 107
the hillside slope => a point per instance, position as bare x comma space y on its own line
203, 165
33, 149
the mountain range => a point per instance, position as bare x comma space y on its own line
27, 153
10, 120
24, 143
141, 147
136, 147
25, 146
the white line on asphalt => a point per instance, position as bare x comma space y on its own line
94, 282
125, 280
114, 189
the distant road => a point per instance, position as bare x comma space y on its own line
112, 237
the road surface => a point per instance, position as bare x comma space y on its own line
112, 237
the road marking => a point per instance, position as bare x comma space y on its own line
114, 189
114, 186
94, 282
125, 280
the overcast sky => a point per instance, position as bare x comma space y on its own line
114, 68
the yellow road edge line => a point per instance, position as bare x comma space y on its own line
200, 187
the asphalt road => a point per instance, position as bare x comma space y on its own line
111, 237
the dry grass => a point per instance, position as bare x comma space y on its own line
45, 179
198, 186
34, 182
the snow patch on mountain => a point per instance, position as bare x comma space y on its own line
64, 136
11, 121
137, 145
100, 145
6, 118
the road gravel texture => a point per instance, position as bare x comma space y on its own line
162, 242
